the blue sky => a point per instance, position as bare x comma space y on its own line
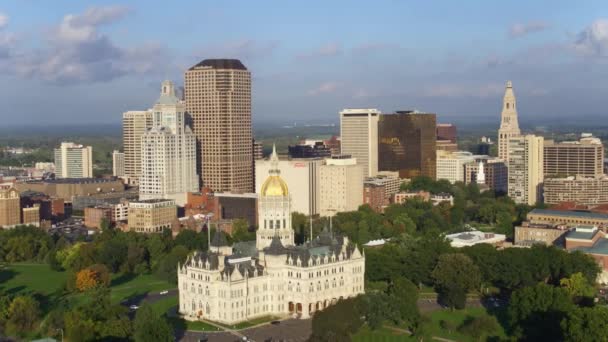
78, 62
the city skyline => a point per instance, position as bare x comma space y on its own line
63, 51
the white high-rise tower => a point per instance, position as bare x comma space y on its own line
168, 151
509, 126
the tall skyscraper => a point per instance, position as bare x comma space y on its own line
407, 144
218, 97
359, 137
168, 151
118, 164
73, 161
134, 125
575, 158
509, 126
525, 169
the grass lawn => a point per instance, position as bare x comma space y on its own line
164, 305
28, 278
21, 278
256, 321
365, 334
457, 317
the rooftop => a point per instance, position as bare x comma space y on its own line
564, 213
581, 235
75, 180
600, 247
474, 237
157, 200
234, 64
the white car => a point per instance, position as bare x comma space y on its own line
164, 292
133, 307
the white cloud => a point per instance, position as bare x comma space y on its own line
3, 20
593, 40
327, 50
522, 29
76, 51
324, 88
463, 90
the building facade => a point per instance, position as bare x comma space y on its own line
525, 169
303, 177
10, 207
546, 234
359, 137
309, 149
495, 173
374, 195
152, 216
134, 125
568, 218
450, 165
93, 216
446, 131
509, 124
340, 185
258, 150
574, 158
118, 164
580, 190
218, 97
31, 215
231, 284
168, 151
407, 144
68, 188
73, 161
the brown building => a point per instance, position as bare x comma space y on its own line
237, 206
580, 190
548, 234
446, 145
591, 241
495, 172
374, 195
218, 97
407, 144
446, 132
152, 216
567, 218
203, 202
402, 197
67, 188
333, 144
571, 158
94, 215
10, 209
258, 150
31, 215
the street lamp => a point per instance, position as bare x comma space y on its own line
61, 330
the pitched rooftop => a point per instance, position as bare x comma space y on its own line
234, 64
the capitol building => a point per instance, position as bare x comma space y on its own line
271, 275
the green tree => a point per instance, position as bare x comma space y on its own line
23, 314
240, 231
455, 275
479, 328
535, 312
577, 286
585, 324
405, 296
167, 269
338, 322
148, 326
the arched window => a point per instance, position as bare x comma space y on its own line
207, 290
200, 289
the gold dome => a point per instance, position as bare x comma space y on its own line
274, 186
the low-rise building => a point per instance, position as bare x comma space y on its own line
10, 209
104, 198
577, 189
402, 197
450, 165
547, 234
152, 216
93, 216
31, 215
495, 172
567, 218
68, 188
121, 212
374, 195
474, 237
592, 241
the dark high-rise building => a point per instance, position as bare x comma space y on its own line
446, 132
218, 97
318, 150
407, 143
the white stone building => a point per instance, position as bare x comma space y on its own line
73, 161
230, 284
450, 165
340, 185
168, 151
509, 124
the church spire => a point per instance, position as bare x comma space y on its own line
274, 162
509, 125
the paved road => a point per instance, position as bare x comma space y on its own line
290, 330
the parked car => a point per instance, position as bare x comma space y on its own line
164, 292
133, 307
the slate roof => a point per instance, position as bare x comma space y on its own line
221, 64
276, 247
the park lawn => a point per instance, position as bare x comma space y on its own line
457, 317
124, 287
253, 322
384, 334
25, 278
200, 326
165, 306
